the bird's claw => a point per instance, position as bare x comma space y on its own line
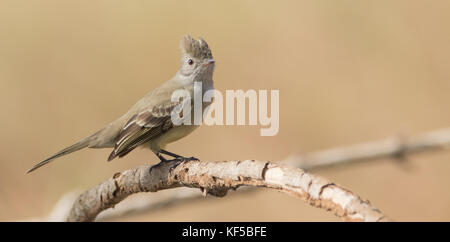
154, 166
191, 158
177, 161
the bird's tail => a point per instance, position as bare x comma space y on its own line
77, 146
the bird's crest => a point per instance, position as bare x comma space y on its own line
196, 48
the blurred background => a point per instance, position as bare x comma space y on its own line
348, 72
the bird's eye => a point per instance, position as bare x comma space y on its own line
190, 62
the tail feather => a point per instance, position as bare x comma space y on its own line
78, 146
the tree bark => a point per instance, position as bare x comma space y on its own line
216, 178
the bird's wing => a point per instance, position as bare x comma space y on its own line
144, 126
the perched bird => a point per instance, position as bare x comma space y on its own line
148, 123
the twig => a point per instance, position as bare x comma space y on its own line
216, 178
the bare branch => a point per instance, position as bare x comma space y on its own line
216, 178
394, 147
146, 203
143, 203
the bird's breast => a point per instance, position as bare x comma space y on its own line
171, 135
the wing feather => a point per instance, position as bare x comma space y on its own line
143, 127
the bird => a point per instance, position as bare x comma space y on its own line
148, 123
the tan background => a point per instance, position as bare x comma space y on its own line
347, 71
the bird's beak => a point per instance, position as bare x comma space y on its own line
208, 62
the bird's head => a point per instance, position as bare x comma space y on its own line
196, 57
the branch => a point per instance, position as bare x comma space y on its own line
396, 147
145, 203
216, 178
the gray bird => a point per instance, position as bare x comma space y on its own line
148, 123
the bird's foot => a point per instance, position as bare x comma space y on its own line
155, 166
190, 158
177, 161
172, 166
